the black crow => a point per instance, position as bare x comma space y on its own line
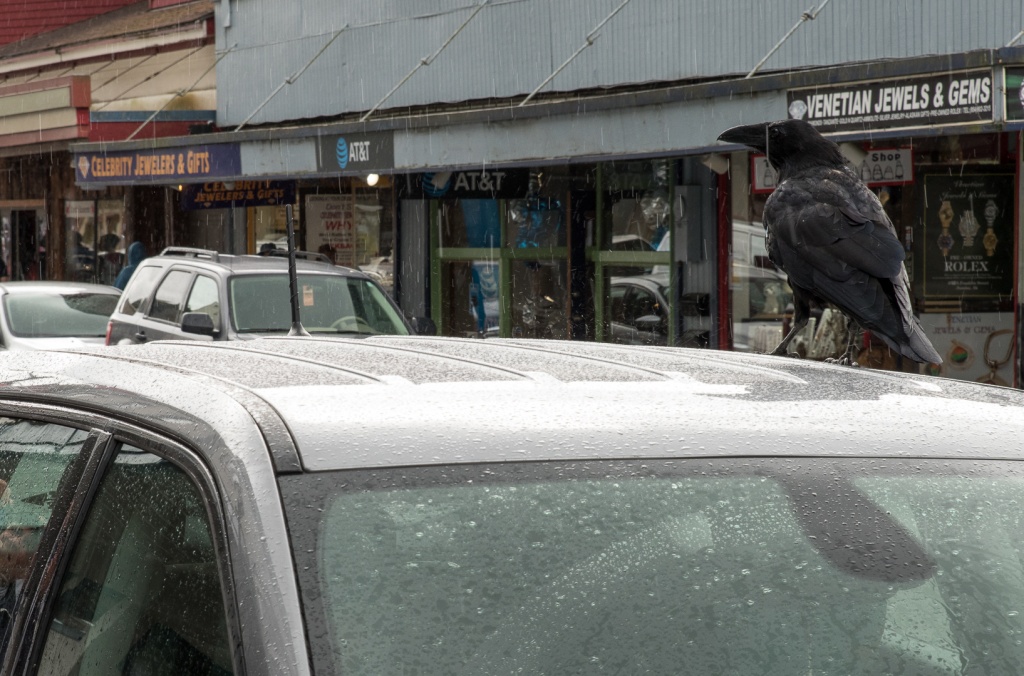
827, 231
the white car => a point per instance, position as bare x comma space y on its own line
53, 315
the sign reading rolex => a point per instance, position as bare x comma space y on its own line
949, 98
967, 235
363, 152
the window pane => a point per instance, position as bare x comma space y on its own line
139, 288
205, 298
51, 315
34, 457
327, 304
801, 566
638, 310
142, 593
170, 295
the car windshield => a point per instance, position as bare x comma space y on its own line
728, 567
327, 304
59, 315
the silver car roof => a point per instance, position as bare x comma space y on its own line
393, 401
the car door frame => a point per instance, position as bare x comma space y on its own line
75, 496
162, 329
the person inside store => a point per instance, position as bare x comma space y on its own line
136, 252
267, 249
109, 261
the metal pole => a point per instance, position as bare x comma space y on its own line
293, 279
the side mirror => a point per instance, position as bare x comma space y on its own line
651, 323
198, 323
423, 326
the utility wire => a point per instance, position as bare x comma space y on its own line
589, 40
810, 15
181, 92
292, 78
425, 61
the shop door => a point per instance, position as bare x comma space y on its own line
501, 268
27, 255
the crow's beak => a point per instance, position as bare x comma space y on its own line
750, 135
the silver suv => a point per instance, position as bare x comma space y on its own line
199, 294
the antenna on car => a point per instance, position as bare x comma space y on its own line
293, 279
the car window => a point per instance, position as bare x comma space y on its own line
204, 297
640, 303
55, 315
34, 457
170, 295
767, 566
140, 286
618, 296
142, 593
327, 304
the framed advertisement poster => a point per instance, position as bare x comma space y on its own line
968, 235
331, 227
977, 346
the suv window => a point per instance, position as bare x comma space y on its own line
204, 298
34, 457
139, 288
328, 304
170, 295
142, 593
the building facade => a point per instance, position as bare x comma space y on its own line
549, 169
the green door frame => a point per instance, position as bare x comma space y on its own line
505, 256
601, 257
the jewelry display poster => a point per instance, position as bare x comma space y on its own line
967, 242
976, 346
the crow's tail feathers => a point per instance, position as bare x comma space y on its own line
917, 345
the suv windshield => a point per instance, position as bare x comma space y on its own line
733, 566
59, 315
327, 304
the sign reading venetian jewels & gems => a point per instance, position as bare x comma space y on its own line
968, 235
964, 96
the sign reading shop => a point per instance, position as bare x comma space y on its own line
908, 102
158, 165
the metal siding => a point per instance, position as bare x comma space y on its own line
513, 45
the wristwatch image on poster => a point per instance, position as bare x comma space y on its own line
967, 238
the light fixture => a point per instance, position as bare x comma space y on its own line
716, 162
853, 152
371, 179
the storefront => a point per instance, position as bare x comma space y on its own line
952, 195
651, 235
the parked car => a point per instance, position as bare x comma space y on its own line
400, 504
202, 295
639, 310
48, 315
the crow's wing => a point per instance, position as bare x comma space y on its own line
828, 231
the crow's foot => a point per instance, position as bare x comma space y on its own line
844, 360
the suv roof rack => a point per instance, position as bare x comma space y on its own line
304, 255
190, 252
